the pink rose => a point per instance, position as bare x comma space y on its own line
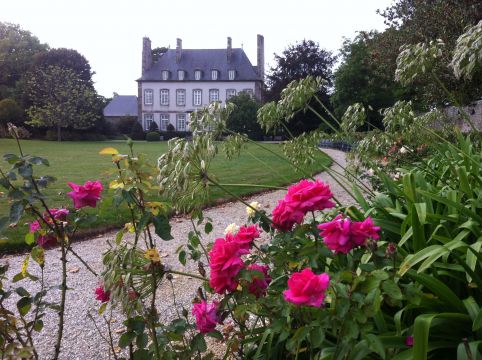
409, 341
101, 294
46, 241
341, 234
245, 236
35, 226
259, 284
363, 230
85, 195
225, 264
336, 234
58, 214
207, 316
307, 288
284, 216
310, 196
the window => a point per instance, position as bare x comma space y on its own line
148, 97
230, 93
180, 75
249, 92
164, 97
213, 95
214, 74
231, 74
180, 97
197, 97
148, 119
181, 122
197, 75
164, 121
165, 74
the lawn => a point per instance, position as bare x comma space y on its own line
80, 161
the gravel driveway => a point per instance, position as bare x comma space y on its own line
81, 339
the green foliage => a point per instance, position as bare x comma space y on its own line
243, 117
60, 99
153, 136
153, 126
468, 52
137, 132
11, 112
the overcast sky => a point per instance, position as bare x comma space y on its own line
109, 32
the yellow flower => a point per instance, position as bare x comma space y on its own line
153, 255
250, 210
231, 229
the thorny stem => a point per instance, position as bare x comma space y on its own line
200, 240
82, 261
186, 274
62, 299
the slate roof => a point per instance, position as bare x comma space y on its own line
122, 105
204, 60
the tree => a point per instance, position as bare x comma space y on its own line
68, 59
415, 21
157, 53
10, 111
297, 62
357, 81
243, 118
137, 132
60, 99
18, 48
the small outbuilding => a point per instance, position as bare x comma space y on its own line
121, 111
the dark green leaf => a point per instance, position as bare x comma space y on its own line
162, 227
182, 257
11, 158
126, 339
198, 343
215, 334
38, 326
26, 171
24, 305
22, 292
142, 340
141, 354
391, 289
208, 227
16, 212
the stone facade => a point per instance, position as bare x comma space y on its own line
184, 80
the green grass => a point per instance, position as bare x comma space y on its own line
80, 161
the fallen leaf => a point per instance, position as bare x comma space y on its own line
73, 269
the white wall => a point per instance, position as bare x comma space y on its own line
172, 109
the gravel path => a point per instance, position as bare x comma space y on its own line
81, 339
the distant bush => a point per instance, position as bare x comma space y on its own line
124, 126
153, 127
153, 136
170, 128
168, 135
137, 133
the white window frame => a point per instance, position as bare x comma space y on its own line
148, 119
181, 119
180, 75
165, 74
197, 75
230, 93
199, 97
181, 95
249, 92
148, 97
213, 98
231, 74
214, 75
163, 122
164, 96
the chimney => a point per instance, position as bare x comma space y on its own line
146, 54
260, 57
178, 50
229, 50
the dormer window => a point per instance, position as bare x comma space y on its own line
231, 74
214, 74
197, 75
165, 75
180, 75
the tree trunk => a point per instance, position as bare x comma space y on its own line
59, 138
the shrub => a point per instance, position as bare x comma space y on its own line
153, 136
153, 126
170, 128
137, 133
168, 135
